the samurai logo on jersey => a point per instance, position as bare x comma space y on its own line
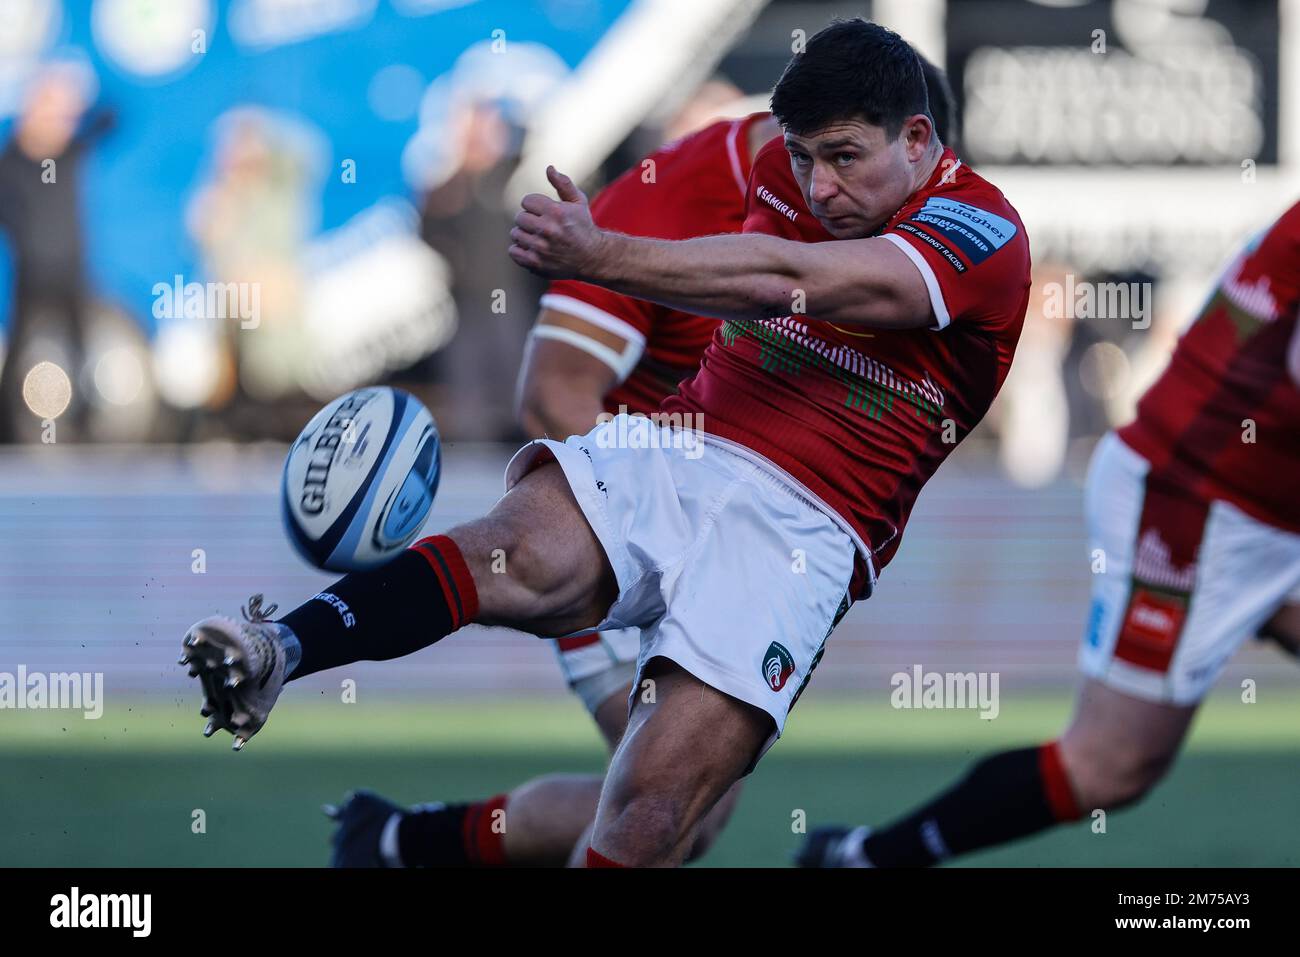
778, 666
974, 233
784, 208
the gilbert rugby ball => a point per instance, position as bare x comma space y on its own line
359, 480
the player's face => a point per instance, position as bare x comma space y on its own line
853, 175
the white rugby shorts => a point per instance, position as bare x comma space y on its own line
723, 563
1183, 582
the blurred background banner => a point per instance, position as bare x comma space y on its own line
280, 149
315, 85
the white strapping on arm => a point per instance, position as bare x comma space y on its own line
598, 317
622, 363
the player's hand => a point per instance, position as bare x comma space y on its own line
556, 239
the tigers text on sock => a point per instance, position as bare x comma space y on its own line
134, 911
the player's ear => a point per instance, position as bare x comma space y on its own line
917, 133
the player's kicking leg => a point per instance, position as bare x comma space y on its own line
647, 534
557, 581
1165, 619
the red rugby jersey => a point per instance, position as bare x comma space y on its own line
1228, 372
698, 190
863, 417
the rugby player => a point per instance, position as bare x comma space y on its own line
1192, 507
594, 350
737, 546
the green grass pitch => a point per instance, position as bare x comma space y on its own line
121, 791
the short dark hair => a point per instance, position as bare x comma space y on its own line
851, 69
943, 106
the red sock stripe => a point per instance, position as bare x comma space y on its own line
458, 588
581, 641
444, 581
483, 838
1056, 783
597, 859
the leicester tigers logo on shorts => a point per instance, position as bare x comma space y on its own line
778, 666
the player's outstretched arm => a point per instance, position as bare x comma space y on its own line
749, 276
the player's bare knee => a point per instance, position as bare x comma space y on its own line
1118, 747
543, 572
524, 584
653, 821
532, 804
1115, 775
1140, 773
535, 554
1125, 788
648, 813
486, 545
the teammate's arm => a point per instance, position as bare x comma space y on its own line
861, 281
569, 367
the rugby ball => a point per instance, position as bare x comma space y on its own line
360, 479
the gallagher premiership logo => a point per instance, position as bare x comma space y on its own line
778, 666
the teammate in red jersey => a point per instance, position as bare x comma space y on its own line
734, 561
1194, 534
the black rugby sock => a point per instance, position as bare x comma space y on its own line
1009, 795
454, 835
419, 597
